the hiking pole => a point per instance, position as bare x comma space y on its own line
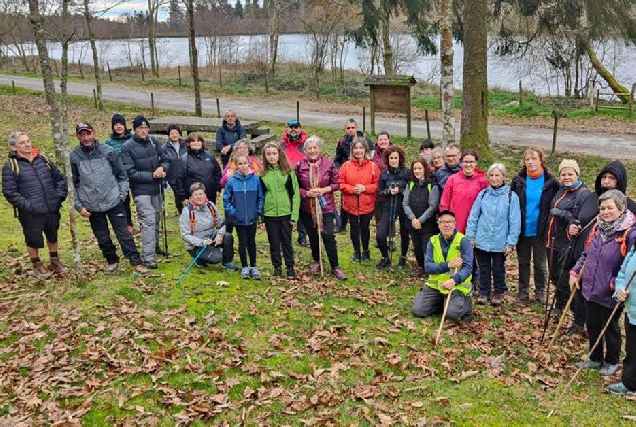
548, 308
319, 222
359, 228
567, 306
441, 323
391, 229
196, 258
163, 221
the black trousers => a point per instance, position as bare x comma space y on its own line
117, 218
328, 239
629, 363
128, 211
386, 227
228, 250
247, 243
420, 239
597, 317
360, 231
279, 235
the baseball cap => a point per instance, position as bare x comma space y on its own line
293, 122
83, 126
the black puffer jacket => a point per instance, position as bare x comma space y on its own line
575, 205
141, 159
399, 177
38, 189
199, 166
617, 169
550, 187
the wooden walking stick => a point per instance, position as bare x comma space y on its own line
319, 222
567, 306
598, 340
441, 323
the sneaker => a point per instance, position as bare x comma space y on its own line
523, 299
402, 262
291, 273
366, 257
254, 273
315, 269
482, 300
339, 273
556, 312
588, 364
40, 272
619, 388
230, 266
574, 330
607, 370
497, 299
140, 270
56, 266
303, 243
357, 257
199, 265
384, 264
245, 273
540, 298
151, 265
277, 272
111, 268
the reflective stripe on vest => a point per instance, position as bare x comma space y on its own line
435, 280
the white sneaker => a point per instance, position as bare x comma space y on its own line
607, 370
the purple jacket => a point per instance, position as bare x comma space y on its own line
328, 177
602, 262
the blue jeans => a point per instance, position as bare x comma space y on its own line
492, 270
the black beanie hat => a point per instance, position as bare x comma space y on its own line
117, 118
140, 120
173, 126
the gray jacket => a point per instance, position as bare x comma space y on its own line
204, 226
99, 178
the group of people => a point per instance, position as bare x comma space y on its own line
462, 221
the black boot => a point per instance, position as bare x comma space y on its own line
356, 256
402, 262
383, 264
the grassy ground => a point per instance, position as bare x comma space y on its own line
219, 350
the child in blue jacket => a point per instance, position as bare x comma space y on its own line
243, 200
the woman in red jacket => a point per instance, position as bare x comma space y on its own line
359, 184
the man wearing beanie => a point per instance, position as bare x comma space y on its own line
116, 140
146, 171
572, 207
172, 151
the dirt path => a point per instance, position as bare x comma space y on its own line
601, 136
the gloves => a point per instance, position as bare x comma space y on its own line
556, 212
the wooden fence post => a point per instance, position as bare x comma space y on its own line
143, 77
110, 76
298, 110
520, 94
95, 96
364, 118
590, 93
179, 73
428, 125
152, 102
218, 108
554, 130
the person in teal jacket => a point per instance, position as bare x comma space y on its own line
243, 202
494, 224
281, 208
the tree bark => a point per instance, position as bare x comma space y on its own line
447, 76
474, 129
194, 60
273, 27
386, 43
152, 37
88, 17
605, 73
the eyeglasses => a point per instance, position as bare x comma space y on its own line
446, 221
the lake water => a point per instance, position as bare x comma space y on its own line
503, 72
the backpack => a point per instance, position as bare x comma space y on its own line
193, 220
15, 168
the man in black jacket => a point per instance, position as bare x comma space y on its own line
146, 171
36, 188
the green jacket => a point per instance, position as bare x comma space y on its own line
282, 196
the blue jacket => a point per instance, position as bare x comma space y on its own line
243, 199
495, 219
625, 279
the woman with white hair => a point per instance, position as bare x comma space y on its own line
493, 227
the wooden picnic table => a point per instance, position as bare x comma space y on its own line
189, 124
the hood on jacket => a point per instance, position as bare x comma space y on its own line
236, 126
617, 169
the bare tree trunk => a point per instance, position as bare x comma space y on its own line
447, 78
274, 31
474, 129
88, 17
152, 37
605, 73
386, 44
194, 60
57, 113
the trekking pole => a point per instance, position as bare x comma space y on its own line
319, 222
359, 228
196, 258
567, 306
163, 221
548, 308
441, 323
391, 229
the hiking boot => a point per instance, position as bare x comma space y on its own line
159, 251
339, 273
303, 243
40, 272
574, 330
111, 268
523, 299
402, 262
482, 299
315, 269
556, 312
540, 298
357, 257
419, 272
254, 273
230, 266
384, 264
140, 270
497, 299
277, 272
245, 273
619, 388
588, 364
607, 370
151, 264
291, 273
56, 266
366, 257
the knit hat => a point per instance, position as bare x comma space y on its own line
140, 120
117, 118
172, 127
569, 163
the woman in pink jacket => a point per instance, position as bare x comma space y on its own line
462, 189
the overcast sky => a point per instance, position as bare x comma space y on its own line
122, 8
